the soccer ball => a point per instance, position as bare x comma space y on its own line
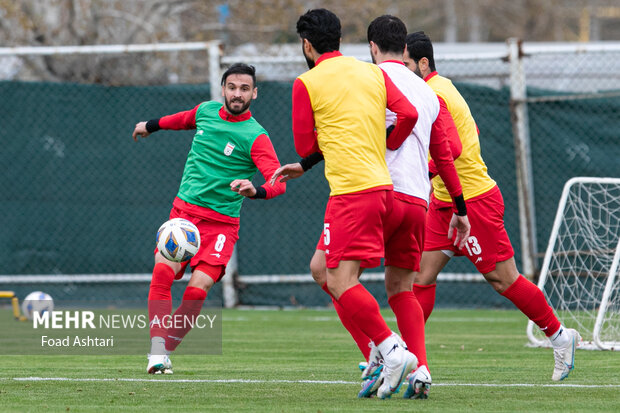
37, 301
178, 240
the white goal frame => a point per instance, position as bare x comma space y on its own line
596, 343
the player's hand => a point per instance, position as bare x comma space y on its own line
243, 187
287, 172
461, 225
140, 131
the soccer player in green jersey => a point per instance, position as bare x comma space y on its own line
229, 147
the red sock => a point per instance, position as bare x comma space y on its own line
531, 301
426, 297
160, 298
362, 308
184, 317
410, 319
358, 335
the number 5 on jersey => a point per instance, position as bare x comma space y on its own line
326, 234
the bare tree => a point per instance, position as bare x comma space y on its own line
265, 22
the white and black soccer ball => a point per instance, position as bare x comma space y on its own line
178, 240
37, 301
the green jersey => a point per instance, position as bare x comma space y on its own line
220, 153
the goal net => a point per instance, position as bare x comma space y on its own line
579, 276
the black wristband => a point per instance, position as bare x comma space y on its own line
309, 161
152, 125
461, 209
261, 193
388, 131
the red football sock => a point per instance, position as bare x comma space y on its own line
358, 335
160, 298
362, 308
426, 297
531, 301
184, 317
410, 320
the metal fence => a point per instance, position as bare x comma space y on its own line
81, 201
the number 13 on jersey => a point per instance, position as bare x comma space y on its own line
472, 246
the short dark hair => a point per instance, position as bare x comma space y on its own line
321, 28
418, 46
240, 69
389, 33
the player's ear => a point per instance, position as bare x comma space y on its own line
423, 64
373, 48
307, 45
255, 93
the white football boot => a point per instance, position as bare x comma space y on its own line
159, 364
565, 356
167, 366
397, 363
371, 385
419, 384
374, 365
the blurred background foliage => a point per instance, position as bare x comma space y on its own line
268, 22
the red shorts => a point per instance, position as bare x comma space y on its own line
217, 241
353, 228
488, 241
403, 232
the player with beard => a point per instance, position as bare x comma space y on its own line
404, 225
227, 150
339, 109
488, 247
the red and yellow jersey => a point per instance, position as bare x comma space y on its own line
344, 99
469, 164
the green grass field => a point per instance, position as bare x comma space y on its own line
304, 361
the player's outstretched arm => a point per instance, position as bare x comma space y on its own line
459, 225
243, 187
287, 172
140, 131
295, 170
177, 121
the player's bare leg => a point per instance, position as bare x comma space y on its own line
200, 279
431, 264
343, 277
528, 298
504, 275
318, 267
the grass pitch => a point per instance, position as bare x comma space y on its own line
304, 361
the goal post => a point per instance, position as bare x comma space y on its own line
579, 275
